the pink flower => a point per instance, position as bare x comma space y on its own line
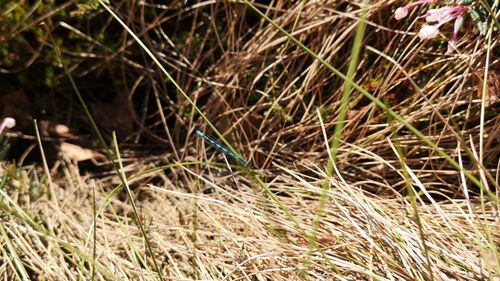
445, 14
442, 16
437, 15
8, 122
428, 32
454, 35
402, 12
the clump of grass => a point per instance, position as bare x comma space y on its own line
230, 230
380, 174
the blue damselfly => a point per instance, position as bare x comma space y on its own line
219, 146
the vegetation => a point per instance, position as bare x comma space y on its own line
372, 141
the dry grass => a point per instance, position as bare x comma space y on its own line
394, 208
228, 229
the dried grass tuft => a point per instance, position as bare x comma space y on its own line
394, 210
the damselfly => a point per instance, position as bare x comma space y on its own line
219, 146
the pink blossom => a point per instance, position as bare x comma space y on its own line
442, 16
454, 35
437, 15
428, 32
445, 14
8, 122
402, 12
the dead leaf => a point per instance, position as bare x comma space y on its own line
55, 129
75, 153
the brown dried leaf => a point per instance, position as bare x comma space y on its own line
75, 152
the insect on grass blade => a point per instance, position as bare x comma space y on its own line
219, 146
